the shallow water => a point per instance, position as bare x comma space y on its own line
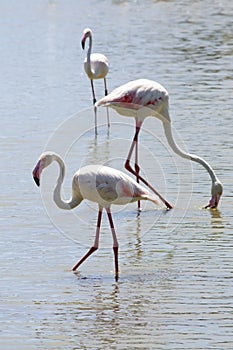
175, 289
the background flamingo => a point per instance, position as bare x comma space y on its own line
96, 66
97, 183
143, 98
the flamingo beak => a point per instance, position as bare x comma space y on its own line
37, 181
83, 43
36, 172
213, 201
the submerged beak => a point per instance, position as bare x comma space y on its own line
213, 201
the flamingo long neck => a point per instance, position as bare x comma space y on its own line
63, 204
88, 68
183, 154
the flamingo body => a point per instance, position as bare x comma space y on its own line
139, 99
98, 68
97, 183
143, 98
105, 186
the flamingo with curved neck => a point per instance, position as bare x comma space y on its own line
96, 66
97, 183
217, 187
143, 98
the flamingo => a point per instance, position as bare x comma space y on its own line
143, 98
96, 66
97, 183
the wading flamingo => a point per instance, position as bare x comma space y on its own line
97, 183
96, 66
143, 98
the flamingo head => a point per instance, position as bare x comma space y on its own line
44, 161
86, 34
216, 192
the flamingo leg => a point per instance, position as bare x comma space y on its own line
106, 93
136, 165
137, 168
95, 108
115, 243
105, 87
93, 91
96, 242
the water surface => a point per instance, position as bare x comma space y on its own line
175, 289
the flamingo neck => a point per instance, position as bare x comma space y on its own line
63, 204
183, 154
88, 67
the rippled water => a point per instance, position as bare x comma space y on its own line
175, 289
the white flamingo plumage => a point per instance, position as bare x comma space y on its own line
143, 98
97, 183
96, 66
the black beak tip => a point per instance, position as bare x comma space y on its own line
37, 181
83, 44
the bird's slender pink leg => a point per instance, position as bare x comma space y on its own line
105, 87
115, 243
137, 168
95, 108
136, 165
96, 242
106, 93
93, 92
